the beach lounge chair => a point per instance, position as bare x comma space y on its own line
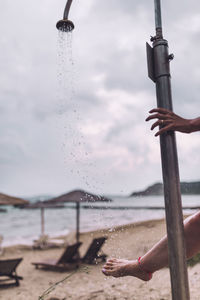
8, 269
69, 260
92, 255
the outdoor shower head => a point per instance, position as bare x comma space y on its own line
65, 24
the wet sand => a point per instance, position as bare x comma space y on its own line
88, 282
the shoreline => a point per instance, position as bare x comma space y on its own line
103, 230
28, 224
124, 241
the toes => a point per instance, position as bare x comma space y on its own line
111, 260
109, 264
107, 267
106, 272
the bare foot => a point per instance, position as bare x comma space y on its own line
122, 267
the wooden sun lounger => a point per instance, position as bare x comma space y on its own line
8, 269
92, 256
69, 260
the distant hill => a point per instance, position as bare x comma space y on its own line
187, 188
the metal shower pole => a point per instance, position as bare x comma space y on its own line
158, 60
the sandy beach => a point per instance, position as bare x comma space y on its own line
88, 282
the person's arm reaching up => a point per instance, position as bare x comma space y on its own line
171, 121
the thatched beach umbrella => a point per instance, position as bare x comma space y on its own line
10, 200
77, 196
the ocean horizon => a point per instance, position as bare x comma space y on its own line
22, 226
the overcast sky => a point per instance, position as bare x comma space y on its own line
72, 108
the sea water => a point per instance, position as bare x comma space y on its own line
22, 226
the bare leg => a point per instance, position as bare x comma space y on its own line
157, 257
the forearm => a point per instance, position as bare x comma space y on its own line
195, 124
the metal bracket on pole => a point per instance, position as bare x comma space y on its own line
150, 62
159, 71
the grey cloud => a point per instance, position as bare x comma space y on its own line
124, 70
11, 154
128, 7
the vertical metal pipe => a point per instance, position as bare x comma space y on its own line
170, 170
67, 8
158, 19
